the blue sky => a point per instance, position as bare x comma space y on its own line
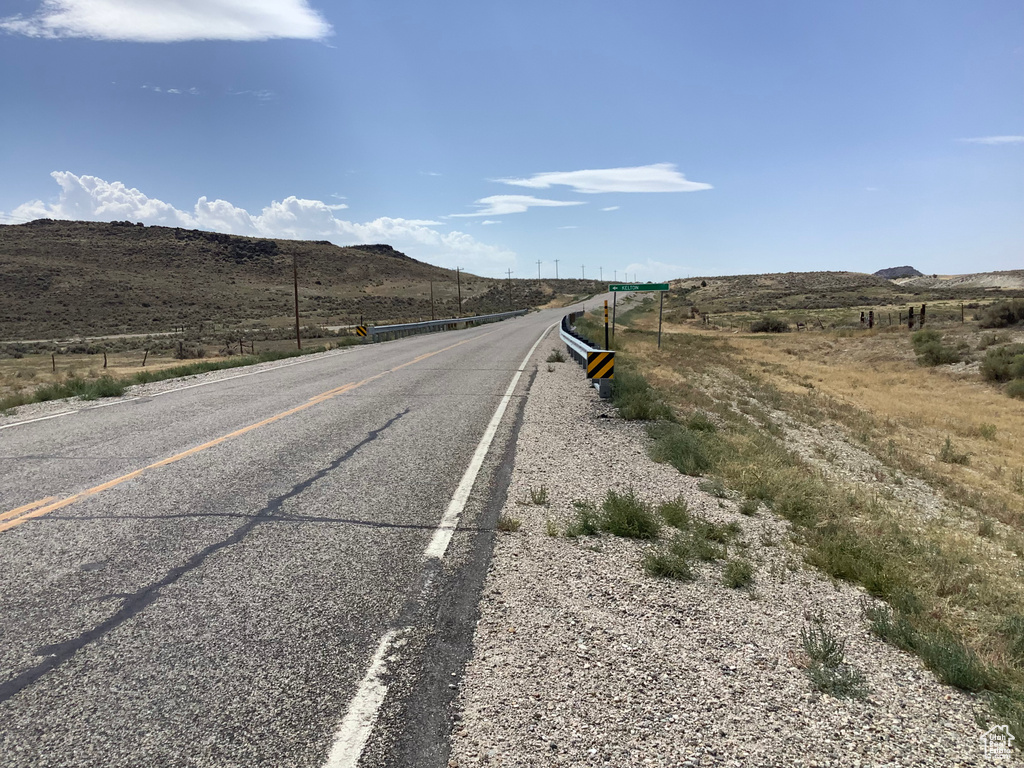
661, 139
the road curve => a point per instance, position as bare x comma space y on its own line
203, 578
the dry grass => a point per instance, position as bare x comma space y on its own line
942, 541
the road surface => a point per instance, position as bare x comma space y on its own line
251, 572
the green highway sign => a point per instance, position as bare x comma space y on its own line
620, 287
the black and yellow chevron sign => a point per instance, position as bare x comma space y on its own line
600, 365
360, 330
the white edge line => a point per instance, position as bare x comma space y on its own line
450, 520
41, 418
353, 733
355, 729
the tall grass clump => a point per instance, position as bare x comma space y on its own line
635, 398
1003, 363
828, 670
690, 451
623, 514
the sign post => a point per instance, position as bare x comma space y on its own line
617, 288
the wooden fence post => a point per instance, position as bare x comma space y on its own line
910, 318
104, 359
144, 358
871, 319
53, 361
923, 308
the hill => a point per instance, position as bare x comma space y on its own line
821, 290
64, 278
894, 272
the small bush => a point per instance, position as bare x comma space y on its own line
539, 496
675, 513
949, 454
769, 324
670, 562
550, 527
828, 670
699, 422
626, 515
930, 350
1013, 630
749, 507
891, 626
556, 357
1002, 314
738, 573
688, 451
1003, 363
508, 524
1015, 389
586, 521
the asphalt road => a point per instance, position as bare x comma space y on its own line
209, 572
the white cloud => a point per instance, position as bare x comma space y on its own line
259, 95
488, 222
176, 91
660, 177
90, 198
651, 271
168, 21
569, 226
499, 205
995, 140
611, 208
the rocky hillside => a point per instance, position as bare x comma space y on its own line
893, 272
63, 278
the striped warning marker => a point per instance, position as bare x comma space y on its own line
360, 330
600, 365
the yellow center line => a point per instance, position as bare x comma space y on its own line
16, 517
26, 508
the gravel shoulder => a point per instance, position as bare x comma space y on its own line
580, 658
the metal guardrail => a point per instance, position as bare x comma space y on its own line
382, 332
581, 351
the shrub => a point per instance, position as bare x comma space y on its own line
556, 357
675, 513
585, 522
539, 496
1016, 389
828, 670
769, 324
1003, 363
508, 524
1002, 314
950, 455
671, 562
626, 515
738, 573
930, 350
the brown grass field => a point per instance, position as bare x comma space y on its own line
905, 478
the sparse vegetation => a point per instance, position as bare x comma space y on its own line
738, 573
539, 496
623, 514
508, 524
828, 670
556, 357
950, 455
688, 450
1002, 314
634, 398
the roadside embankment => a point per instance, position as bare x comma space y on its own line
582, 658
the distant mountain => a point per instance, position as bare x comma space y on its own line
893, 272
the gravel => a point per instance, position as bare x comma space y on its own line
580, 658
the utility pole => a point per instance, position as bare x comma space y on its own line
509, 289
615, 275
600, 273
583, 268
432, 300
295, 281
556, 269
538, 269
458, 282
